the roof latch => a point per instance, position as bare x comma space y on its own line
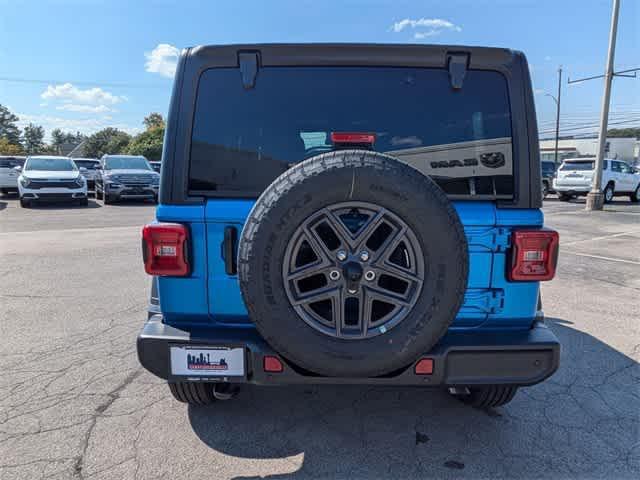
457, 64
248, 68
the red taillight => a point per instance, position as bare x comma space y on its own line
534, 255
353, 137
272, 364
164, 249
424, 366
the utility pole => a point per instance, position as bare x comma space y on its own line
595, 198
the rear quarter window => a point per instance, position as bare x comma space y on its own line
243, 139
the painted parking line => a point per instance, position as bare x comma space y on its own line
604, 237
600, 257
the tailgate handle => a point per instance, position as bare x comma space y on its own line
229, 250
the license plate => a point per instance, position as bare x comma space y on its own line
207, 362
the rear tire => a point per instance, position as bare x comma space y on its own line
192, 393
635, 196
564, 197
489, 397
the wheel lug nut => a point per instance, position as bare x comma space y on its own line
342, 255
369, 275
334, 274
364, 255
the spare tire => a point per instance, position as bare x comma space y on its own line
352, 264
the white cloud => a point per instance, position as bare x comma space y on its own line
69, 93
162, 59
429, 26
72, 107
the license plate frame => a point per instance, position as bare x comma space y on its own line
223, 362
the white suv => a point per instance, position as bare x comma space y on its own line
575, 176
8, 174
51, 178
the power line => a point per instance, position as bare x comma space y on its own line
82, 83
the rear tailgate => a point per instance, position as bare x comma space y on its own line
490, 299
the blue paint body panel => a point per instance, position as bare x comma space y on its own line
212, 296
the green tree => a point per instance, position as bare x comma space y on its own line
624, 132
106, 141
33, 139
8, 128
148, 143
153, 120
8, 148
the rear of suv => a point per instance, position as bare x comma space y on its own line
349, 214
575, 177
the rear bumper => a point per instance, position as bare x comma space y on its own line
460, 359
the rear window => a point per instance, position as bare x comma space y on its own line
243, 139
10, 162
584, 165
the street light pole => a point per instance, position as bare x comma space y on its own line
558, 114
595, 198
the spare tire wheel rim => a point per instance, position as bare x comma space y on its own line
353, 270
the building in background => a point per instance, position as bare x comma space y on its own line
620, 148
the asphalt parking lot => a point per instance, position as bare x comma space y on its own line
74, 402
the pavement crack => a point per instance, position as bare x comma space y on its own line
112, 396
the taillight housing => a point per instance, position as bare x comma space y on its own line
165, 249
534, 255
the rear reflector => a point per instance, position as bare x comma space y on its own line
424, 366
534, 255
164, 249
272, 364
353, 138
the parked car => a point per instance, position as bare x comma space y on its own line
156, 166
575, 177
319, 225
126, 177
548, 174
89, 167
48, 178
8, 174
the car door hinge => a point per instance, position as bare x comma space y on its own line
249, 63
457, 63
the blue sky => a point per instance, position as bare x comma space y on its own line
85, 65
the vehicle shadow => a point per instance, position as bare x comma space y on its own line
63, 206
132, 203
3, 205
583, 421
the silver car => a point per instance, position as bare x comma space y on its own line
89, 167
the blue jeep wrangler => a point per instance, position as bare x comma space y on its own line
349, 214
